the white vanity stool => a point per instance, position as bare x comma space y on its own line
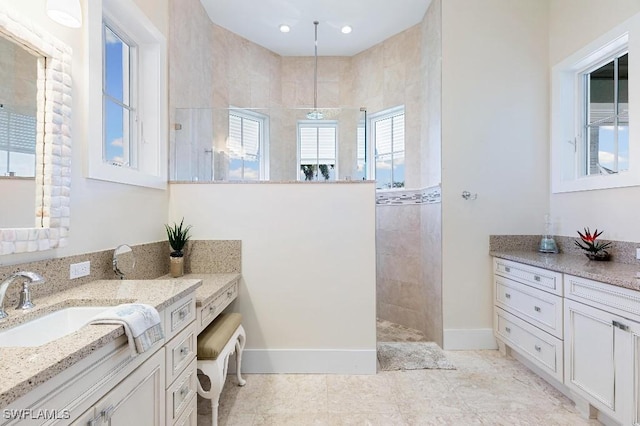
224, 336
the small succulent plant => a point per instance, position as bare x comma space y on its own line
590, 245
178, 237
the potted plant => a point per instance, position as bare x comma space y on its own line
595, 250
178, 236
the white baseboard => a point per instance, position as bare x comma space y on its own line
307, 361
469, 339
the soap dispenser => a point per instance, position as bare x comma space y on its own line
547, 243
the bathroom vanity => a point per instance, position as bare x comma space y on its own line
90, 377
576, 323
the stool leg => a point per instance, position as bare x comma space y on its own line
242, 338
215, 372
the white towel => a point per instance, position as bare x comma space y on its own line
141, 324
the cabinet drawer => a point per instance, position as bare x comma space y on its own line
190, 415
617, 300
180, 351
541, 309
180, 393
178, 315
541, 348
212, 309
536, 277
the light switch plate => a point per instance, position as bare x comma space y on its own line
77, 270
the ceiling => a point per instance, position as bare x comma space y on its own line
372, 20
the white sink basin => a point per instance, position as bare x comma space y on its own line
50, 327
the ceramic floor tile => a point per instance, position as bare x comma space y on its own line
292, 419
361, 394
299, 393
486, 388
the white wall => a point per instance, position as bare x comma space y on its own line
308, 267
495, 83
574, 24
103, 214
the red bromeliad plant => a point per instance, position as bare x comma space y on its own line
590, 245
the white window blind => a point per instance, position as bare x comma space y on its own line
244, 137
389, 134
317, 145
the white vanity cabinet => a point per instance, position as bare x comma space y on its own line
137, 400
602, 325
180, 367
110, 387
528, 313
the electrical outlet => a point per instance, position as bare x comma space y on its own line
77, 270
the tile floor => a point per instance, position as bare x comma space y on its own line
485, 389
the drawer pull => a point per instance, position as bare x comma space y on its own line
538, 348
507, 329
507, 269
537, 308
621, 326
536, 277
107, 413
507, 295
182, 314
212, 308
229, 293
184, 391
184, 350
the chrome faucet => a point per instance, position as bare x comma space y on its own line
25, 293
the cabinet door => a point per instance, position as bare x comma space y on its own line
590, 355
139, 399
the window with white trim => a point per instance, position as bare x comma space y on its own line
119, 95
317, 150
127, 132
361, 152
592, 135
604, 143
387, 136
248, 145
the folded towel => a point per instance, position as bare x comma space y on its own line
141, 324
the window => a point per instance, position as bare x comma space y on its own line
18, 151
247, 145
592, 143
128, 111
317, 148
387, 136
120, 130
361, 151
605, 124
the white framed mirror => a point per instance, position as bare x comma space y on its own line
52, 138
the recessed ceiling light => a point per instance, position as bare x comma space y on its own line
284, 28
346, 29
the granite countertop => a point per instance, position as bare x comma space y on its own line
23, 369
615, 273
212, 285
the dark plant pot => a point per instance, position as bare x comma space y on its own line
601, 257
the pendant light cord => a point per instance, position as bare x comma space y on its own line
315, 73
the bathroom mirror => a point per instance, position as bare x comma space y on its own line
49, 219
18, 111
124, 261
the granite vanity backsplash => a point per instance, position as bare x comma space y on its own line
621, 251
202, 256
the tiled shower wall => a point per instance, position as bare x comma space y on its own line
409, 263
